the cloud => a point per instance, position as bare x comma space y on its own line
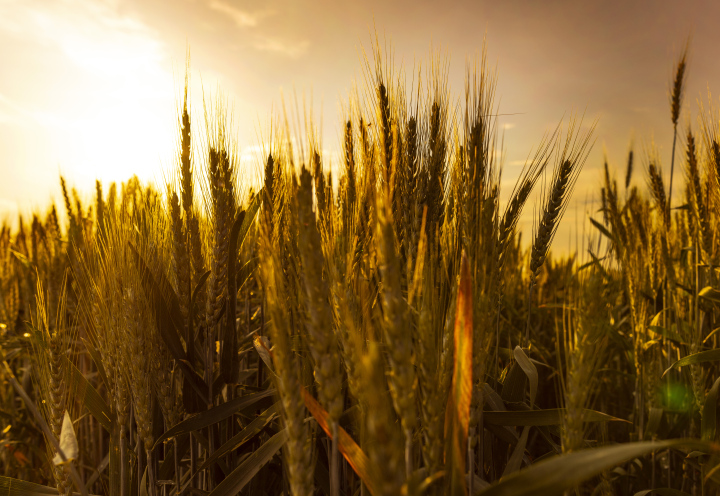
94, 35
240, 17
290, 49
263, 43
92, 85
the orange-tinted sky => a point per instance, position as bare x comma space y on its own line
90, 88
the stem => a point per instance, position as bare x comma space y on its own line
230, 425
262, 333
123, 462
151, 471
497, 346
529, 307
672, 168
641, 407
193, 460
177, 465
408, 453
210, 471
209, 344
471, 461
481, 440
139, 452
334, 465
652, 480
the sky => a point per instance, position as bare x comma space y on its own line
91, 88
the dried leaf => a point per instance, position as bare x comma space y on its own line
68, 442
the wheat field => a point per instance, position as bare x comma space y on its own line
383, 332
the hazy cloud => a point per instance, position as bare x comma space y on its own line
250, 19
241, 17
92, 34
292, 49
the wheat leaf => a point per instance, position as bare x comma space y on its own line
457, 417
347, 446
238, 478
562, 472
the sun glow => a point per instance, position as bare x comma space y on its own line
101, 102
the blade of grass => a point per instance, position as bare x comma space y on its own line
214, 415
541, 417
559, 473
243, 436
354, 455
701, 357
238, 478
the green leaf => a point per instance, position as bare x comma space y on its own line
457, 416
253, 428
214, 415
562, 472
552, 416
703, 356
708, 423
238, 478
17, 487
84, 392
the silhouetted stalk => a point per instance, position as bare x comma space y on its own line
672, 169
471, 460
151, 471
334, 462
408, 453
123, 461
176, 460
